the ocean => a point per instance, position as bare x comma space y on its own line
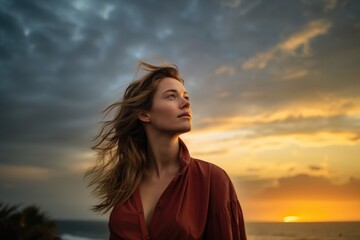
92, 230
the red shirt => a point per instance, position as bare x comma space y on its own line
199, 203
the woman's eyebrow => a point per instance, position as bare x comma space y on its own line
174, 90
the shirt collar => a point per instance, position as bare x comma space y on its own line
184, 157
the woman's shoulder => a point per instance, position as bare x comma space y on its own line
220, 185
213, 171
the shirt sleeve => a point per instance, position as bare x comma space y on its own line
225, 217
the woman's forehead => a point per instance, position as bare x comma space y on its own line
170, 84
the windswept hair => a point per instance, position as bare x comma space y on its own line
121, 148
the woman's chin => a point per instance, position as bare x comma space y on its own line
185, 130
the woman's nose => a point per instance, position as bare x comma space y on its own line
185, 103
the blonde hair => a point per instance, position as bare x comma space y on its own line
122, 143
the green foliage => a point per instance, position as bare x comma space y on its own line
29, 223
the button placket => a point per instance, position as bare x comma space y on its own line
161, 201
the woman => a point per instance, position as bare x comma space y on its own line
144, 172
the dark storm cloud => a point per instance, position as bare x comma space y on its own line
65, 61
61, 63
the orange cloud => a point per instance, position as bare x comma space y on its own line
225, 70
303, 37
289, 46
295, 74
306, 187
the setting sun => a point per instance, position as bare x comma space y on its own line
291, 219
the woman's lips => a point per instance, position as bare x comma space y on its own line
184, 115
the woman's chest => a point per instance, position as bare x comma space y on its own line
150, 192
179, 209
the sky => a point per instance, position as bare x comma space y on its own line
274, 89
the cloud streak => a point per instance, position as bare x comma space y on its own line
305, 187
297, 43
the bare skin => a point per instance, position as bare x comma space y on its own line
158, 176
163, 126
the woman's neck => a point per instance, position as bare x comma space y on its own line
163, 156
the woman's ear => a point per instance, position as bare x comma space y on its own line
144, 117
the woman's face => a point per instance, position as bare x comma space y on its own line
170, 102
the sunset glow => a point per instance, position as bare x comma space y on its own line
291, 219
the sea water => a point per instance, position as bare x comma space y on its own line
98, 230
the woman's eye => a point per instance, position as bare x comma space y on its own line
171, 96
187, 98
